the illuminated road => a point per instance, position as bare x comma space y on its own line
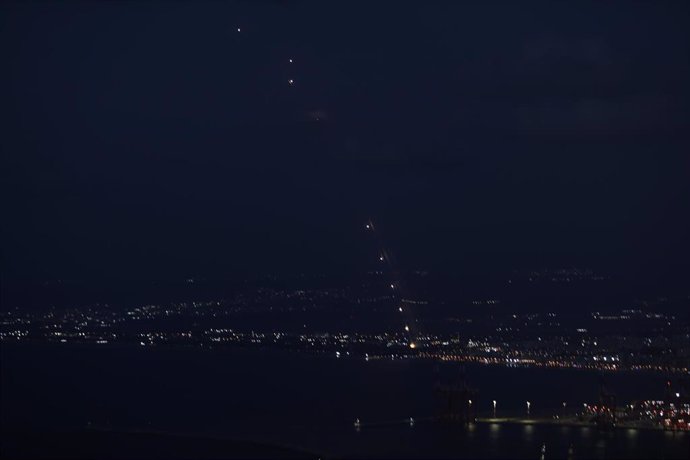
568, 422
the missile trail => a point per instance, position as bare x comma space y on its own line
408, 322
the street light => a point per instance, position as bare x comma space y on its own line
528, 404
494, 403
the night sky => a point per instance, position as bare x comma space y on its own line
152, 140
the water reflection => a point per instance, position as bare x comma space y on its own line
528, 432
494, 430
471, 428
600, 448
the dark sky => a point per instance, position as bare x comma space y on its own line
152, 140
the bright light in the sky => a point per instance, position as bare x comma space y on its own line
290, 61
291, 81
239, 30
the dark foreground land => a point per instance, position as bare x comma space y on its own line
91, 444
